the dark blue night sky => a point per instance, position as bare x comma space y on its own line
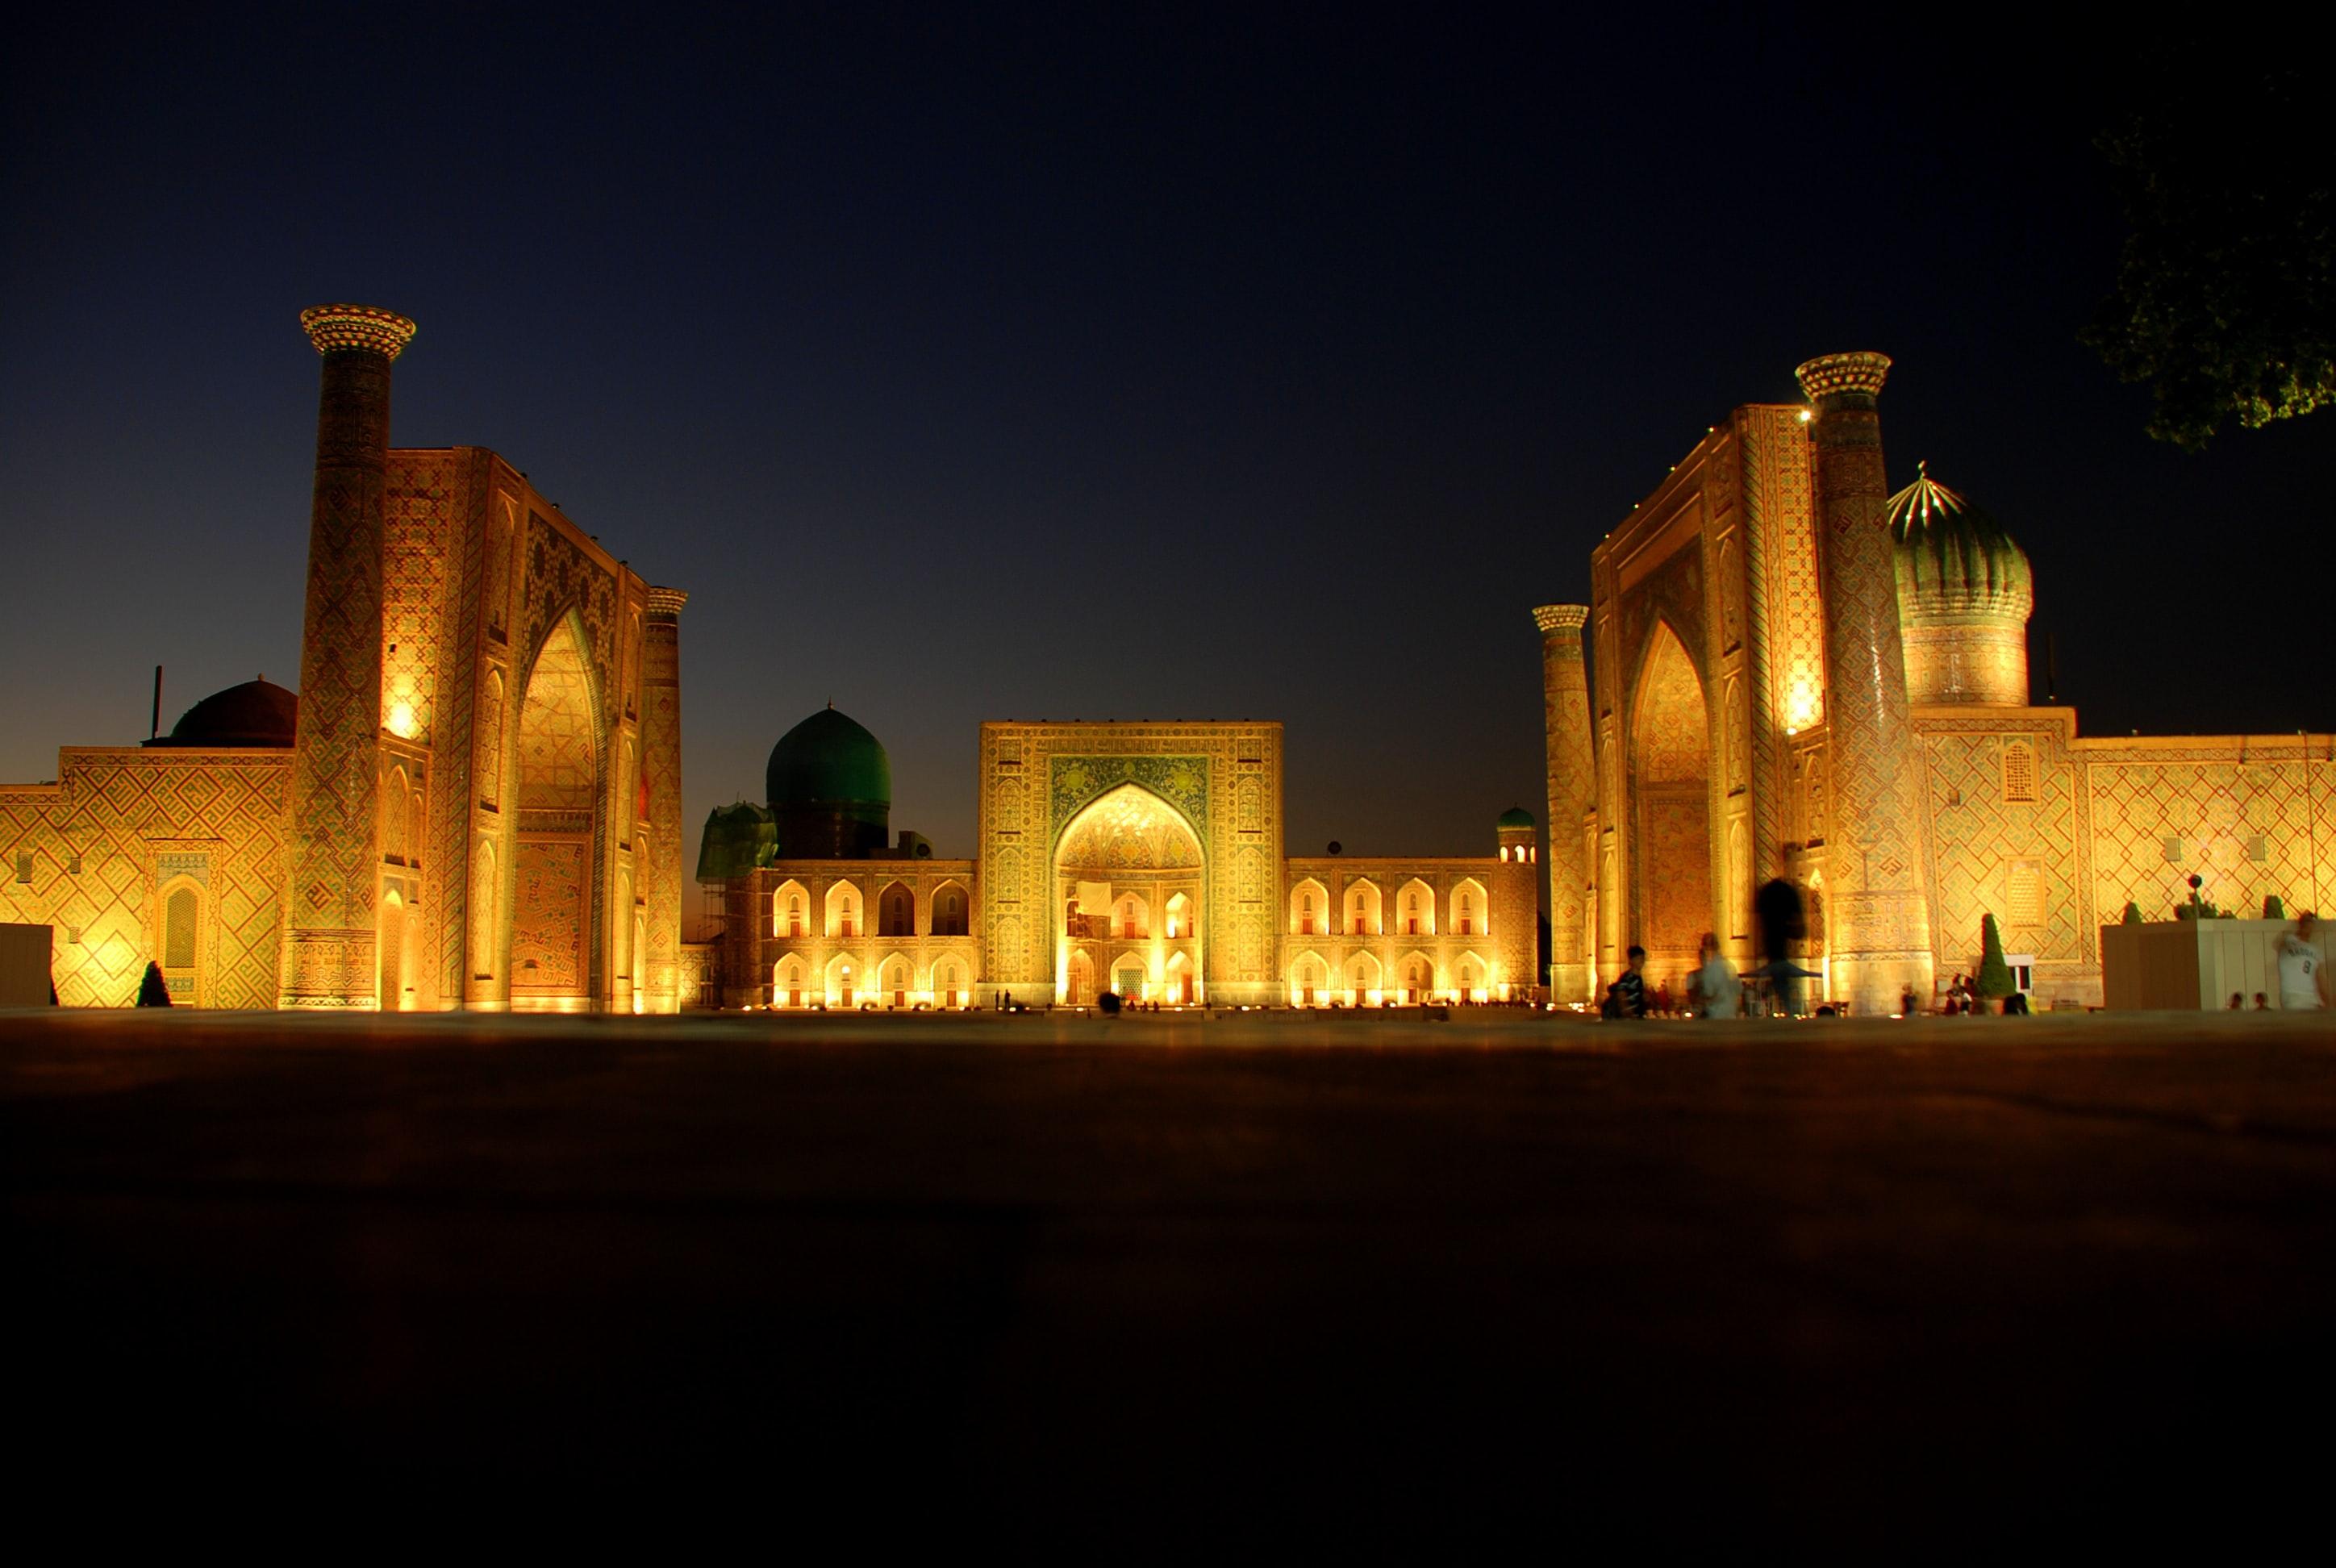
1016, 364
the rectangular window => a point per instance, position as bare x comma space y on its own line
72, 866
2024, 894
2257, 849
24, 867
179, 931
2018, 771
2174, 852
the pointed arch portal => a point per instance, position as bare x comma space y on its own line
557, 795
1126, 857
1670, 759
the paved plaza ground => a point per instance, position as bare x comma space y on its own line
1129, 1285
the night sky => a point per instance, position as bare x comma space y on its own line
1025, 365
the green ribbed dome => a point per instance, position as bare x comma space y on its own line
1952, 557
1515, 817
828, 759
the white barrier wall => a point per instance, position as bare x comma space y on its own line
2192, 966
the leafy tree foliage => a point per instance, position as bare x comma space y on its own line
2225, 299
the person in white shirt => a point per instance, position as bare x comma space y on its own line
1719, 994
2303, 970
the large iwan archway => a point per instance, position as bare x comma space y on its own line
1670, 759
558, 794
1129, 850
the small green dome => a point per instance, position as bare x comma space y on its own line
1515, 817
737, 839
1953, 559
827, 760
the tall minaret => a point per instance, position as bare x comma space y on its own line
1572, 784
1878, 924
659, 971
334, 850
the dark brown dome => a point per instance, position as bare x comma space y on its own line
255, 713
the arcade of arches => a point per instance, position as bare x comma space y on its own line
1139, 859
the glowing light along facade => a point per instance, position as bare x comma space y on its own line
474, 802
1782, 652
1144, 858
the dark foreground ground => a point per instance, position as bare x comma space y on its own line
1158, 1285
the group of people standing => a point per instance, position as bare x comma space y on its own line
1715, 991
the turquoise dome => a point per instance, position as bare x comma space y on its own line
828, 759
1515, 817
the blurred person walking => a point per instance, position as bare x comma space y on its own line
2302, 969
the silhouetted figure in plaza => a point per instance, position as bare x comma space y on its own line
153, 991
2015, 1006
1109, 1003
2238, 1001
2262, 1003
1783, 921
1907, 1003
1627, 996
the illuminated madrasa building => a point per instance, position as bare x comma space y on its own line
1787, 654
474, 802
1143, 859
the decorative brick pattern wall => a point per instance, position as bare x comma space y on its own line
136, 821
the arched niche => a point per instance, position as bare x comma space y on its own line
1669, 761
